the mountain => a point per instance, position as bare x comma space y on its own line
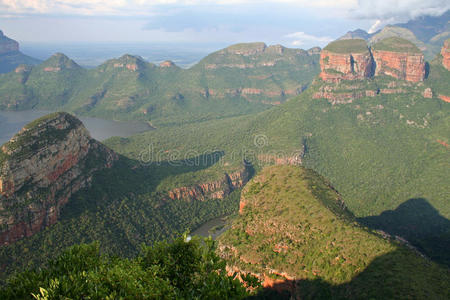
41, 167
11, 57
295, 234
240, 79
427, 32
380, 140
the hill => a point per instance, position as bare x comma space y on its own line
11, 57
238, 80
296, 235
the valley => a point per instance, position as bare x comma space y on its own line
320, 173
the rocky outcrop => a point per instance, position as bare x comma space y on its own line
40, 168
345, 60
445, 52
167, 64
7, 45
218, 189
245, 49
404, 66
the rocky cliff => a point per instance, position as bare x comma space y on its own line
445, 52
351, 59
40, 168
400, 59
7, 44
345, 60
217, 189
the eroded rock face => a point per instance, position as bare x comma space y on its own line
218, 189
7, 44
404, 66
345, 66
445, 52
43, 165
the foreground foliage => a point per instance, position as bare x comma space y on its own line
183, 269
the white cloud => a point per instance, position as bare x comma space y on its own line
140, 7
398, 10
300, 38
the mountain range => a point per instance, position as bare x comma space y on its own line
339, 192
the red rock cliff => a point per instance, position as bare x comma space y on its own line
405, 66
40, 168
445, 52
345, 66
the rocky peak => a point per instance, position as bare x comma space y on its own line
7, 44
399, 58
167, 64
43, 165
127, 62
278, 49
445, 52
314, 51
58, 62
346, 60
356, 34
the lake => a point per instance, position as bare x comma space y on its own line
12, 121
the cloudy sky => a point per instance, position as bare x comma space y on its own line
298, 23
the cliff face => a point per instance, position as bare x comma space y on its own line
404, 66
41, 167
218, 189
351, 59
7, 45
345, 66
445, 52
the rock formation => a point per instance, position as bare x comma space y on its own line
351, 59
445, 52
40, 168
400, 59
218, 189
345, 60
7, 45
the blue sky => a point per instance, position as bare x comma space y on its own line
298, 23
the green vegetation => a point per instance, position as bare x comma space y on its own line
378, 152
347, 46
396, 44
125, 207
182, 269
128, 88
287, 226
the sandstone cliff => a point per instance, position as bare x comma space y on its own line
40, 168
445, 52
217, 189
400, 59
7, 44
345, 60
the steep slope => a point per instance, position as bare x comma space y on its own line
295, 234
226, 83
40, 168
10, 56
399, 58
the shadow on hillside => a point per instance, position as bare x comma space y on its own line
390, 276
130, 177
420, 223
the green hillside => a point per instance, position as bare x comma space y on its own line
396, 44
347, 46
293, 226
378, 152
238, 80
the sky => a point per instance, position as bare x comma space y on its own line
293, 23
